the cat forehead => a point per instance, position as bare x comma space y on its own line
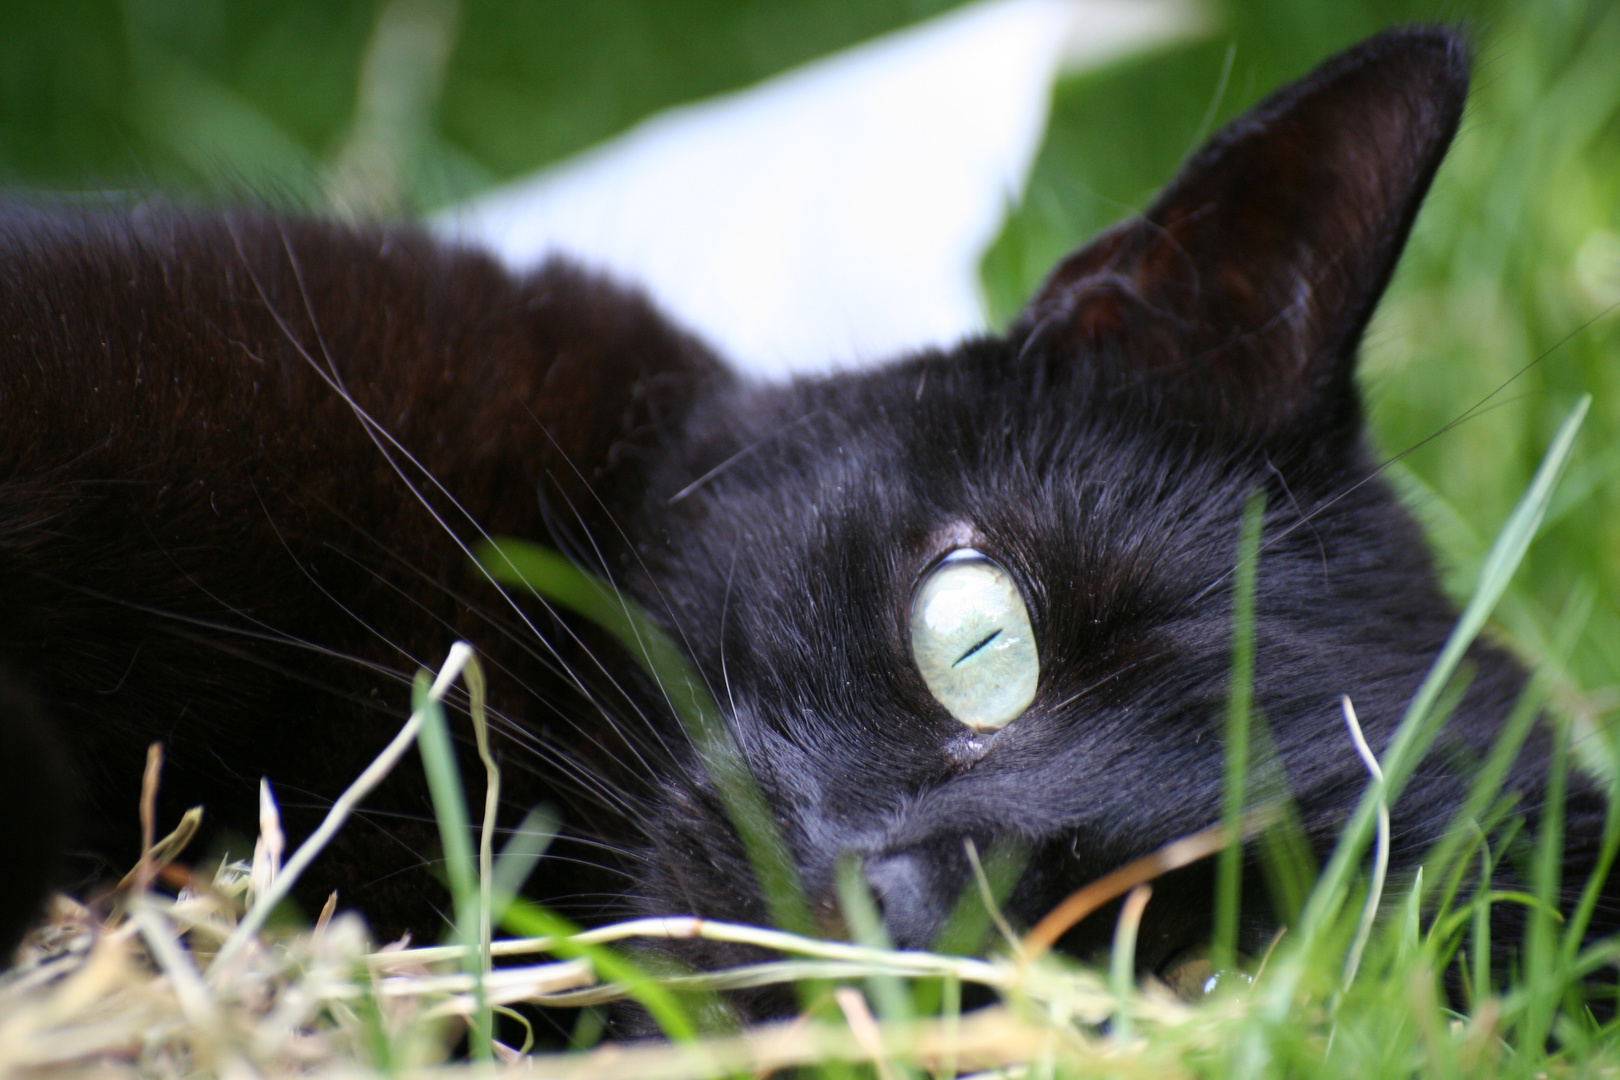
788, 485
935, 427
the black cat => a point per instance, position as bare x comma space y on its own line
982, 593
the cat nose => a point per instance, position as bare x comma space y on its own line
907, 895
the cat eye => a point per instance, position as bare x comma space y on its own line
971, 639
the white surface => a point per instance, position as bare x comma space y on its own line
836, 214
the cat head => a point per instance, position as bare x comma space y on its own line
1089, 467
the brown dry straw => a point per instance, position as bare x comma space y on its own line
1085, 900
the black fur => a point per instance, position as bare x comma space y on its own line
201, 541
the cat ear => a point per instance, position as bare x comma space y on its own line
1242, 293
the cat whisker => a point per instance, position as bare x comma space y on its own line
1471, 413
663, 600
215, 629
416, 662
378, 434
210, 638
309, 310
521, 641
1320, 546
741, 454
509, 727
1104, 681
618, 594
725, 606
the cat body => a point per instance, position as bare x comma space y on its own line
244, 458
186, 562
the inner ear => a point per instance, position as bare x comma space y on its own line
1241, 294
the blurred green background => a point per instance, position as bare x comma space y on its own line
1491, 317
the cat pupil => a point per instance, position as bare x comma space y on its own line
977, 647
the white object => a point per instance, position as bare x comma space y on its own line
836, 214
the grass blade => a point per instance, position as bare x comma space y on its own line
532, 920
1122, 960
1375, 891
460, 870
1239, 704
865, 923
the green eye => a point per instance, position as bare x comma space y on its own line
971, 639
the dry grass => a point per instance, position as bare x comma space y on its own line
130, 994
